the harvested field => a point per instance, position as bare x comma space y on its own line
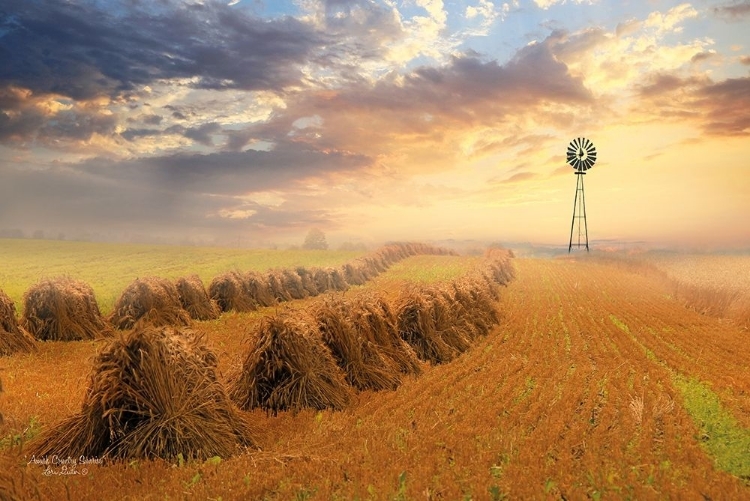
591, 386
258, 289
276, 287
705, 270
713, 285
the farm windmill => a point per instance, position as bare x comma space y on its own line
582, 157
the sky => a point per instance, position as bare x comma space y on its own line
254, 121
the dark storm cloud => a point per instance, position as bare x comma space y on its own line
203, 134
152, 119
225, 173
169, 193
134, 134
176, 112
733, 10
84, 49
77, 126
19, 126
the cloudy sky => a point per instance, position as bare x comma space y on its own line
257, 120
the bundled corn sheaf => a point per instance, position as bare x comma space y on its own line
13, 339
498, 265
150, 300
292, 284
338, 281
353, 275
306, 360
322, 280
289, 368
194, 299
366, 368
230, 292
152, 393
416, 326
62, 309
307, 278
475, 299
374, 319
256, 285
238, 292
276, 286
441, 322
452, 324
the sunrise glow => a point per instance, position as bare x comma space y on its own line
214, 122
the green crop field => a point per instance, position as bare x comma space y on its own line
109, 268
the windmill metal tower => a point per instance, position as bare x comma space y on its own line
582, 157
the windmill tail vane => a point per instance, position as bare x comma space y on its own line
581, 155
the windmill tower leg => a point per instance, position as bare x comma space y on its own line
579, 212
585, 224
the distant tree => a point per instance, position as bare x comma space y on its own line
315, 239
38, 235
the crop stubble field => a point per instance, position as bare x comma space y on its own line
584, 390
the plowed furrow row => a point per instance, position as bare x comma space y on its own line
603, 416
687, 342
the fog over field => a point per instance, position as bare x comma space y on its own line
250, 122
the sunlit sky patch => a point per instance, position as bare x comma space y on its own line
256, 120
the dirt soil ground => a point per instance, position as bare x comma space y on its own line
572, 396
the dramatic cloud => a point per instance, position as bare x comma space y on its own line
83, 50
162, 193
726, 106
717, 108
374, 118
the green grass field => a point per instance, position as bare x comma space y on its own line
426, 270
110, 268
